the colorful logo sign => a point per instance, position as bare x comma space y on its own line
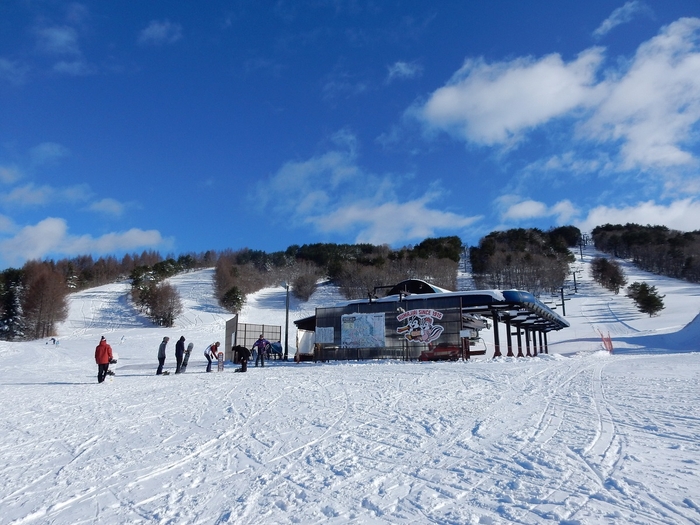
420, 325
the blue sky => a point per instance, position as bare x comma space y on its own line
186, 126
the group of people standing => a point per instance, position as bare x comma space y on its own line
104, 356
182, 355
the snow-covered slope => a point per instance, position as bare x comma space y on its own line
576, 436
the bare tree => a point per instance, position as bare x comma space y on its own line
44, 301
305, 276
166, 305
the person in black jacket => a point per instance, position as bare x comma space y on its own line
243, 356
179, 353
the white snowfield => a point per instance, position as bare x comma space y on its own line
574, 437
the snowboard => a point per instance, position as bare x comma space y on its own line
185, 360
220, 364
115, 357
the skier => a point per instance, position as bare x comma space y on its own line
260, 345
179, 353
190, 346
103, 355
161, 355
210, 353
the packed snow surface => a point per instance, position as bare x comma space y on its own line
577, 436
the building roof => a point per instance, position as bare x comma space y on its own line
519, 308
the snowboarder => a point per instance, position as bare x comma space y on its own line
210, 353
161, 355
187, 357
103, 355
179, 353
261, 346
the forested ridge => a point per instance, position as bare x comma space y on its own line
656, 249
525, 259
33, 298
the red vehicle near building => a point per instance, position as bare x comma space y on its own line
441, 352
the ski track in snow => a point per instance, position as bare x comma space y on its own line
588, 438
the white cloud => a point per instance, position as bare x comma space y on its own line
108, 207
59, 40
33, 242
324, 173
645, 110
403, 70
515, 209
528, 209
391, 222
76, 68
9, 174
62, 42
564, 211
332, 193
494, 103
117, 242
342, 85
13, 71
682, 215
51, 237
621, 15
47, 153
73, 194
653, 107
570, 162
28, 195
160, 32
7, 225
32, 195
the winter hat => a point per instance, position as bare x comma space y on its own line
102, 338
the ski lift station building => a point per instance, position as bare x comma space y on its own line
417, 320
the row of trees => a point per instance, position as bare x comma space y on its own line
357, 269
656, 249
524, 259
33, 298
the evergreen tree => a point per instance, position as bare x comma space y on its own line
12, 325
233, 300
646, 297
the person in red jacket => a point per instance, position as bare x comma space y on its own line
103, 355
